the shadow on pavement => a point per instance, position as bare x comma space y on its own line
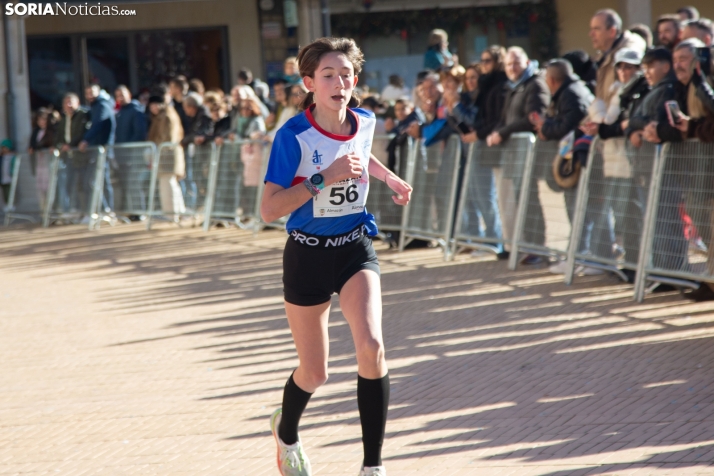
508, 366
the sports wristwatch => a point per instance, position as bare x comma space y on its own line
318, 181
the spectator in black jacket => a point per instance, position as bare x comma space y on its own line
178, 88
649, 121
570, 99
584, 67
526, 93
488, 109
132, 172
483, 118
198, 130
100, 132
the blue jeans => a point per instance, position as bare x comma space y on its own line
481, 204
188, 184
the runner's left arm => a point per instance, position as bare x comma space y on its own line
380, 171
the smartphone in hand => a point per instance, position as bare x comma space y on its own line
673, 112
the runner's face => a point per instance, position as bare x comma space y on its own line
333, 81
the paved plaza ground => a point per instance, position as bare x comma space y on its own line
127, 352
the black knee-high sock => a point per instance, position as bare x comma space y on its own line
373, 402
294, 402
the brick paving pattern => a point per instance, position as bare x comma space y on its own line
127, 352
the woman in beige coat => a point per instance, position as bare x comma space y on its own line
166, 127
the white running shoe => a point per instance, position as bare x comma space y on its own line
559, 268
292, 460
373, 471
588, 271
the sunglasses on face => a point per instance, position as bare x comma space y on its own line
486, 60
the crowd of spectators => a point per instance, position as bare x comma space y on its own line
644, 86
180, 111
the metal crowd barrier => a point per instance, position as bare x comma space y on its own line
610, 210
76, 187
130, 165
259, 224
435, 179
234, 181
684, 184
28, 189
177, 199
487, 209
390, 217
545, 226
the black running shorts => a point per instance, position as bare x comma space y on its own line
312, 272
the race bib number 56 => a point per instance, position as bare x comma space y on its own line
342, 198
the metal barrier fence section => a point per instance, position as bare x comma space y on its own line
679, 221
389, 216
435, 181
549, 208
28, 188
259, 224
237, 176
131, 164
610, 209
75, 187
174, 198
487, 209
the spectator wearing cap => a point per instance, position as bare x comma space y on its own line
623, 173
437, 55
669, 31
631, 89
608, 37
166, 127
644, 31
649, 121
688, 13
395, 89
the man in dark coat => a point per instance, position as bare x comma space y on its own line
133, 174
199, 128
101, 132
569, 105
526, 93
650, 123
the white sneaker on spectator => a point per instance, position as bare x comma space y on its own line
588, 271
559, 268
373, 471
